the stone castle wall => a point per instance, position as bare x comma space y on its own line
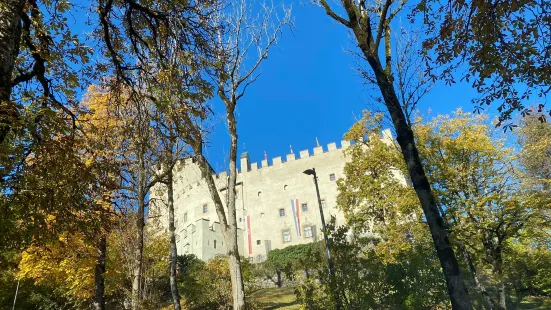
276, 203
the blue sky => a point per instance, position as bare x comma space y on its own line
309, 88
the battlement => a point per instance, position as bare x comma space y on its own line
386, 135
279, 160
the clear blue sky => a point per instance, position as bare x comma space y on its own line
309, 88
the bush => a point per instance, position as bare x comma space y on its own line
363, 280
207, 285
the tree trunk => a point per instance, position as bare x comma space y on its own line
498, 272
173, 249
279, 283
235, 263
99, 279
486, 300
229, 232
457, 289
10, 35
140, 224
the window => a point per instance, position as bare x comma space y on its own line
215, 244
323, 204
285, 187
185, 217
259, 194
258, 242
308, 232
332, 177
304, 207
286, 236
281, 212
240, 219
262, 214
205, 208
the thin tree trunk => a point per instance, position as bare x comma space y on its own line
238, 287
10, 35
173, 249
498, 272
457, 289
486, 300
99, 276
140, 224
230, 235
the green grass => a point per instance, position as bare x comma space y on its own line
276, 298
535, 303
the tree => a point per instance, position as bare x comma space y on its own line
293, 259
208, 285
504, 44
70, 263
138, 57
238, 36
534, 138
39, 55
370, 23
367, 278
484, 199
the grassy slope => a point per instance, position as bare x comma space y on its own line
276, 298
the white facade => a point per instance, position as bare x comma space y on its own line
276, 204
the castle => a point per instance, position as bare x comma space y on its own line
276, 203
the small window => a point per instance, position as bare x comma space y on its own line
304, 207
332, 177
240, 219
286, 236
258, 242
262, 214
215, 244
285, 187
259, 194
323, 204
281, 212
205, 208
185, 217
308, 231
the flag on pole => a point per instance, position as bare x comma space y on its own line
265, 155
291, 149
296, 215
317, 142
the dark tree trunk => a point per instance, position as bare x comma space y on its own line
279, 283
173, 249
498, 272
99, 279
10, 35
457, 289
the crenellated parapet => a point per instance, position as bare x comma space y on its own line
248, 166
279, 161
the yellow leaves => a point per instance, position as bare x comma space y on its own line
68, 263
